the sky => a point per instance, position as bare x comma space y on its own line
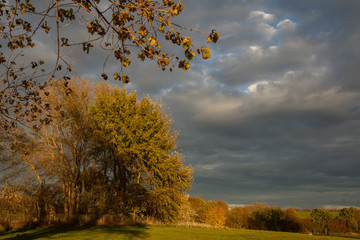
274, 115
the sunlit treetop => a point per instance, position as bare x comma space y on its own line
122, 28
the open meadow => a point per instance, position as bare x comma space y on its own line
155, 233
306, 214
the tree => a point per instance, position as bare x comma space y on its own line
22, 164
349, 216
56, 152
66, 141
107, 151
122, 28
321, 216
142, 163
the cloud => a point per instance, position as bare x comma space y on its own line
273, 140
286, 25
261, 16
273, 116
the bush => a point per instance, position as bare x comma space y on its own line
291, 222
258, 218
262, 217
337, 226
238, 217
309, 226
274, 219
196, 202
213, 213
357, 217
4, 225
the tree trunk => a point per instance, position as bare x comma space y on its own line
41, 204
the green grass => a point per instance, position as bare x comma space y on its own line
152, 233
304, 214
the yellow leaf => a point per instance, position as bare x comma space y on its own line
161, 29
208, 40
152, 41
187, 42
205, 53
187, 66
215, 37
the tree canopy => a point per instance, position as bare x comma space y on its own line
103, 151
121, 28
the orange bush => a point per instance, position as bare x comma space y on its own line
196, 202
238, 217
213, 213
337, 226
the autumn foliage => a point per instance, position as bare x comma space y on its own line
124, 31
102, 152
260, 216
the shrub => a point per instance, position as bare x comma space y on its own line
357, 216
196, 202
266, 218
237, 218
291, 222
259, 216
309, 226
337, 226
186, 213
4, 225
213, 213
274, 219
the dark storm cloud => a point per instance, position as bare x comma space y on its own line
269, 149
289, 136
274, 115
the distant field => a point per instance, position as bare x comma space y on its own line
306, 214
155, 233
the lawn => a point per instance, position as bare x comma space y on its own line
152, 233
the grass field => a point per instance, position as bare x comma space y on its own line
152, 233
306, 214
303, 214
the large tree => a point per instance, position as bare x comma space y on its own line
22, 164
122, 28
107, 151
66, 140
54, 152
144, 165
